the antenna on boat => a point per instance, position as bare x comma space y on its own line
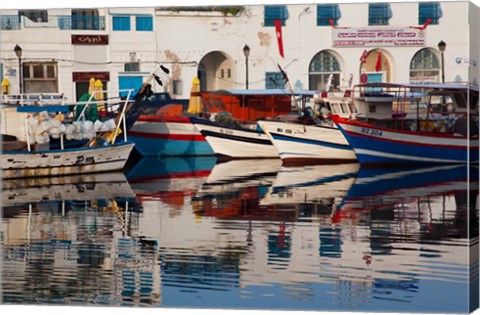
287, 82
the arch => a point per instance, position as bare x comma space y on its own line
324, 64
377, 65
425, 66
216, 71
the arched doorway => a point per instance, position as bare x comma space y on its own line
216, 72
377, 66
425, 67
324, 65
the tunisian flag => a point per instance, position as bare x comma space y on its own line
278, 32
378, 65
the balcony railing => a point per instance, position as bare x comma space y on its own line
9, 22
62, 22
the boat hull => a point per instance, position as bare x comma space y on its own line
65, 162
168, 136
235, 143
374, 145
301, 144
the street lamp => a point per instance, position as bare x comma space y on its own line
442, 46
18, 51
246, 52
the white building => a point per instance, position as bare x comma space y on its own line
389, 42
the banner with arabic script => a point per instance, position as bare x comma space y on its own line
377, 37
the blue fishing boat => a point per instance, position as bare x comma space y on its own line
446, 133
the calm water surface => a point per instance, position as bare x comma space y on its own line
244, 234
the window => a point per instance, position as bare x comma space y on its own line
274, 80
132, 67
323, 68
379, 13
425, 67
121, 23
177, 87
327, 12
275, 12
144, 23
87, 19
40, 77
430, 10
35, 15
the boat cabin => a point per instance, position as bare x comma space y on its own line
251, 105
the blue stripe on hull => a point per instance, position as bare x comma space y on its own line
310, 142
412, 151
165, 147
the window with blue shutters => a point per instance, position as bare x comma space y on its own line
144, 23
121, 23
379, 13
327, 12
275, 12
430, 10
274, 80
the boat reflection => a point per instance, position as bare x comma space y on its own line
316, 189
65, 188
431, 193
169, 179
234, 189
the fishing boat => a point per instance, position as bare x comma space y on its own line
26, 151
313, 138
235, 133
167, 135
447, 133
170, 132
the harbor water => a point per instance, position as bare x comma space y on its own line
246, 234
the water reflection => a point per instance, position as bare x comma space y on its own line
245, 234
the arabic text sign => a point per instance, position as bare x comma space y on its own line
383, 37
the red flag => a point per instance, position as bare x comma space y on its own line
364, 56
278, 31
378, 65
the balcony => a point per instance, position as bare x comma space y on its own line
9, 22
62, 22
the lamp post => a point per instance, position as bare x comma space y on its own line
246, 52
442, 46
18, 51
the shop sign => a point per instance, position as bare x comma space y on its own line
86, 76
378, 37
90, 39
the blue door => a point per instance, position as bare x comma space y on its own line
130, 83
375, 78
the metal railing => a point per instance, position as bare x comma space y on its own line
62, 22
9, 22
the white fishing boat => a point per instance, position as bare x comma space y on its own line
235, 142
314, 138
234, 132
26, 150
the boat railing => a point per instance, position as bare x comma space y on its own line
39, 99
110, 134
108, 104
